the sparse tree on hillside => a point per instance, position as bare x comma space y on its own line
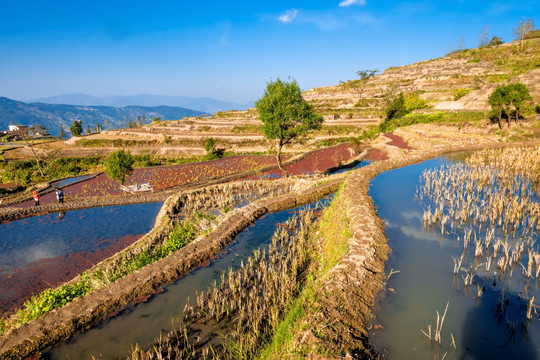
76, 128
524, 27
61, 133
97, 128
504, 97
484, 36
285, 115
88, 129
209, 146
118, 165
35, 132
499, 101
519, 95
496, 41
360, 84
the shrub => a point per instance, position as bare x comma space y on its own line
209, 145
51, 299
118, 165
400, 106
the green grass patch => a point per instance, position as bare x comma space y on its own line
437, 117
247, 129
334, 235
49, 300
116, 143
459, 93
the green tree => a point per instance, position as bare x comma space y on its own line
519, 95
98, 128
88, 129
209, 146
496, 41
285, 115
76, 128
118, 165
500, 102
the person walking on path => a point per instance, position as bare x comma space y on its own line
60, 196
35, 195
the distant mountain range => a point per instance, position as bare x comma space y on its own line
53, 115
204, 104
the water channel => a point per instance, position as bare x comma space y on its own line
425, 284
143, 322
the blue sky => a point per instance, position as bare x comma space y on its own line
228, 50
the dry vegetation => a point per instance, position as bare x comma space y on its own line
492, 201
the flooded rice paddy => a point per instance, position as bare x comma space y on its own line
47, 250
491, 310
143, 322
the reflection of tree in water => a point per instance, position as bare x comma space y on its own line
497, 327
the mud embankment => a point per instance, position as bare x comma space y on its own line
99, 304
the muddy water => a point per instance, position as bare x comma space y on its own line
143, 322
47, 250
425, 283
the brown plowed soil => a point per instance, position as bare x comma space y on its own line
161, 177
376, 154
318, 161
397, 141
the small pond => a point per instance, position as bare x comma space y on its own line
46, 250
144, 322
485, 320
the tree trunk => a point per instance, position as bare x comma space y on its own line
499, 120
517, 116
31, 146
278, 158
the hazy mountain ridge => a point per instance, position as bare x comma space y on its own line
53, 115
204, 104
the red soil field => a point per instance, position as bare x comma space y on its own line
160, 177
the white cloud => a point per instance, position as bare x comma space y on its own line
288, 16
346, 3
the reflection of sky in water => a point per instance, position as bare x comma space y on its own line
46, 236
65, 182
425, 283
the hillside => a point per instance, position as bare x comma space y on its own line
474, 72
52, 115
460, 81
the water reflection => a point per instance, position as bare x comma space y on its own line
144, 322
508, 336
426, 283
44, 251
